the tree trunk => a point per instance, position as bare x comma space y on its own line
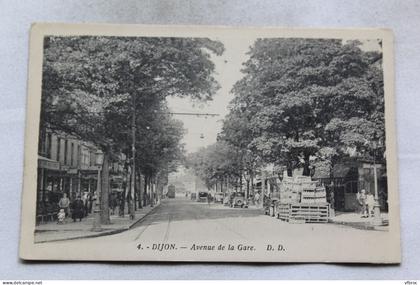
146, 182
153, 190
252, 183
145, 191
122, 200
104, 195
133, 153
332, 187
131, 196
135, 196
140, 196
306, 169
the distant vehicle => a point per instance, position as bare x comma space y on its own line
202, 196
171, 192
193, 196
237, 199
218, 197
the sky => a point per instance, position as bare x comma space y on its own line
228, 70
202, 131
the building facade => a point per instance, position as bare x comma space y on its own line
66, 164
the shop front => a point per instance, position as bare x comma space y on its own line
88, 186
50, 187
349, 178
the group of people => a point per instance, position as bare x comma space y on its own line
79, 208
366, 201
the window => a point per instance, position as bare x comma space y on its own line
78, 155
84, 156
65, 151
48, 145
71, 154
58, 148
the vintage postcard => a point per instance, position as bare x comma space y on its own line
212, 144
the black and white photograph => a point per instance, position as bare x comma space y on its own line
154, 143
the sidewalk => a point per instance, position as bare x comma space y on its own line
355, 220
76, 230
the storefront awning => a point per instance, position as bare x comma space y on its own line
47, 163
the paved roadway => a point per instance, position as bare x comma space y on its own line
182, 220
185, 224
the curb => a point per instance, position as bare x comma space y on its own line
106, 232
359, 226
142, 218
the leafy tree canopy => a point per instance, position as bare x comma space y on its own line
300, 98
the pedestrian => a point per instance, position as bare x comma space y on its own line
64, 204
257, 198
85, 203
112, 203
89, 203
121, 205
361, 198
61, 216
77, 209
370, 202
332, 200
208, 199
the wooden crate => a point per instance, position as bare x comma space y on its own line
309, 212
314, 195
283, 212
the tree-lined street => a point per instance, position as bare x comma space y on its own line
110, 93
301, 103
185, 223
305, 125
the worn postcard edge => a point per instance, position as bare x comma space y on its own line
28, 249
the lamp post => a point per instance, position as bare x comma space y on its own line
97, 221
377, 220
247, 176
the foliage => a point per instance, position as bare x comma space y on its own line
302, 97
83, 76
96, 87
216, 162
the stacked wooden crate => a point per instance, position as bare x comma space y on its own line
314, 195
302, 201
289, 192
